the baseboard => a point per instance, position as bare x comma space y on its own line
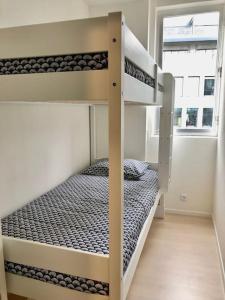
188, 213
222, 267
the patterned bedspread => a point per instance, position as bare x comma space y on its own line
75, 214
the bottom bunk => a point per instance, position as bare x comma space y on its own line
74, 215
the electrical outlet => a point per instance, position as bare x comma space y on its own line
183, 197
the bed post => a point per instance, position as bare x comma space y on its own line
166, 139
3, 290
116, 152
92, 131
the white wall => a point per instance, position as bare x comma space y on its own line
21, 12
219, 199
192, 174
134, 132
40, 144
135, 12
193, 171
219, 196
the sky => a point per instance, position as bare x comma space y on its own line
199, 19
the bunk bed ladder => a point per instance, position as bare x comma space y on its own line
166, 132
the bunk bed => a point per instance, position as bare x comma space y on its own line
91, 61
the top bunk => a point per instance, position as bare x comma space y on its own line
75, 61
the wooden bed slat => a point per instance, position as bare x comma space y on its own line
137, 53
81, 86
56, 258
36, 289
138, 92
140, 245
65, 37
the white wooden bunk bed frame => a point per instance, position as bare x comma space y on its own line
111, 86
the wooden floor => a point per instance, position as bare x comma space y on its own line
179, 262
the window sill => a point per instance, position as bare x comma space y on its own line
195, 132
191, 134
186, 136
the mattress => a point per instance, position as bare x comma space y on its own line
75, 215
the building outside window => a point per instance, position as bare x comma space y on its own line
192, 86
178, 117
207, 118
209, 86
179, 84
190, 54
192, 117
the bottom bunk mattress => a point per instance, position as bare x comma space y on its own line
75, 214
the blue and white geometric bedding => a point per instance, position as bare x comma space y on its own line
75, 214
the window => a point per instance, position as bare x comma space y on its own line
192, 117
192, 86
179, 86
190, 54
207, 118
178, 117
209, 86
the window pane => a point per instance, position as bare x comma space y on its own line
207, 117
179, 86
192, 117
192, 86
209, 86
178, 117
190, 54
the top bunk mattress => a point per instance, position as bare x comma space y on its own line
75, 214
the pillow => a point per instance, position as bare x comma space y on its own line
133, 169
99, 168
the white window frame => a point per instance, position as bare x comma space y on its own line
186, 9
182, 85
